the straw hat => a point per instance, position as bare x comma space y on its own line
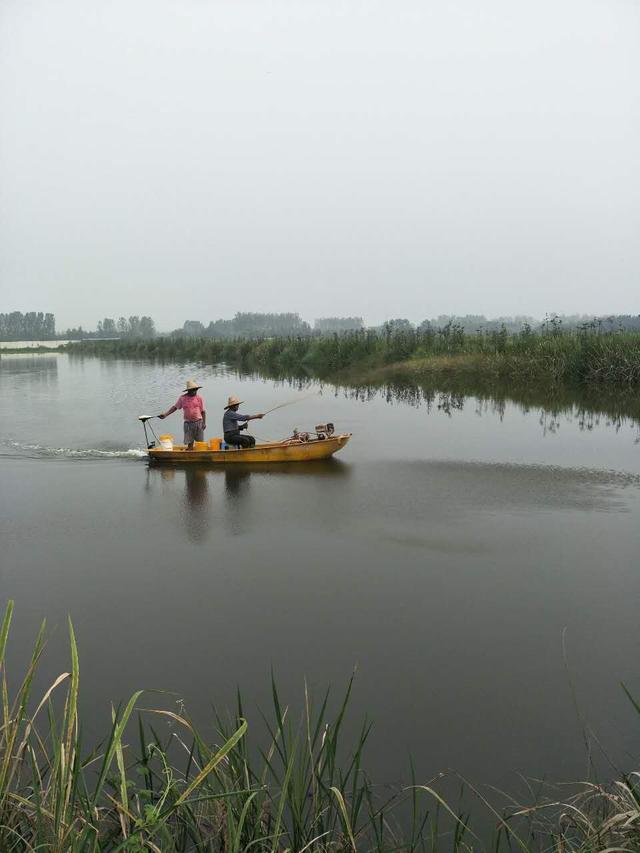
233, 401
191, 385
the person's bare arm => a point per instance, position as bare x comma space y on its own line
246, 418
169, 412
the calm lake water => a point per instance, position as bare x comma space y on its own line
444, 554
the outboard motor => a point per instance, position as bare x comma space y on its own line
325, 430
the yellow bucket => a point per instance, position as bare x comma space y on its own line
214, 443
200, 445
166, 437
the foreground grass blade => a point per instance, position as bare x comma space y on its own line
4, 630
213, 763
345, 817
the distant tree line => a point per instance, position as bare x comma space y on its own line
32, 326
271, 325
326, 325
247, 325
125, 327
472, 323
257, 325
38, 326
476, 323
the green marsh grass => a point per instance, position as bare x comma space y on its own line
300, 790
584, 356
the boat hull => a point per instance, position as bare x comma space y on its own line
304, 451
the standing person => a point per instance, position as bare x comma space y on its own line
233, 422
195, 417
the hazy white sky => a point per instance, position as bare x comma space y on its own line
192, 158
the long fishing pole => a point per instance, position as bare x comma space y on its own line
282, 406
291, 402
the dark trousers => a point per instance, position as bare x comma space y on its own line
239, 439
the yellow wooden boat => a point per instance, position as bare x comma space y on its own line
277, 451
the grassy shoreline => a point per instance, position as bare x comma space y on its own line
577, 357
416, 379
304, 791
517, 375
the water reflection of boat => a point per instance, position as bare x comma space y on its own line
277, 451
230, 495
320, 468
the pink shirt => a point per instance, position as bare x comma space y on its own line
193, 407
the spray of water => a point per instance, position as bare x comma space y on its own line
40, 451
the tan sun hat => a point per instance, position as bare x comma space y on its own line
191, 385
233, 401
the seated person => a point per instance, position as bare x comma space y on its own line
233, 422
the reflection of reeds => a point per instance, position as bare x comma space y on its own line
584, 356
587, 405
301, 792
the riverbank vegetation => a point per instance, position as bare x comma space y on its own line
586, 355
302, 791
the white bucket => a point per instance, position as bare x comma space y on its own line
166, 442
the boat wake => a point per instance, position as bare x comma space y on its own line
39, 451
